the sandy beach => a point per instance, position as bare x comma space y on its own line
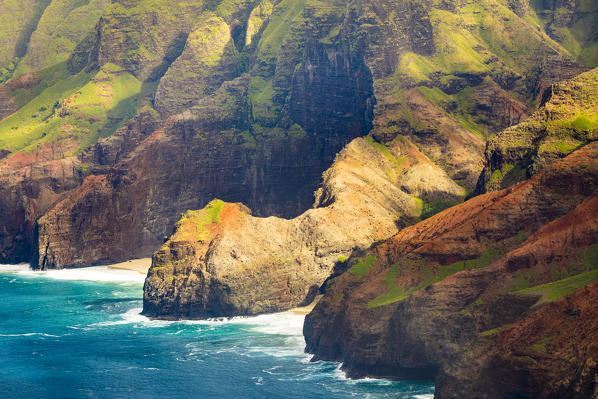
136, 265
304, 310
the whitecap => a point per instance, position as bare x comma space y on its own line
285, 323
259, 380
271, 370
339, 374
424, 396
29, 335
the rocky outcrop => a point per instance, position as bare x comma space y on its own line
145, 37
32, 184
448, 297
567, 120
259, 15
221, 261
26, 193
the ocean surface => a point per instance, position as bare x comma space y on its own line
79, 334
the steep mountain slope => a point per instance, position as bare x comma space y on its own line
275, 89
17, 21
567, 22
567, 121
466, 296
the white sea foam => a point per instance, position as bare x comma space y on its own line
29, 335
15, 268
96, 273
286, 323
339, 374
424, 396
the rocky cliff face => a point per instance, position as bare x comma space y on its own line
473, 297
567, 120
281, 88
221, 261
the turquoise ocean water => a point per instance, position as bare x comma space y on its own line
79, 334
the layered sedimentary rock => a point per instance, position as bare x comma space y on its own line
221, 261
452, 297
567, 120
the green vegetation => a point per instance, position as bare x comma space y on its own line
567, 280
430, 209
263, 109
522, 236
494, 331
18, 20
575, 34
58, 31
384, 150
193, 225
419, 207
558, 289
81, 109
7, 72
583, 123
540, 346
265, 99
458, 106
430, 275
508, 175
362, 268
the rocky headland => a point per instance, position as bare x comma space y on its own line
221, 261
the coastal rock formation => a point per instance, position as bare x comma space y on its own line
450, 297
26, 193
221, 261
567, 120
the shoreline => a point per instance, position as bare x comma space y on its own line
140, 266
